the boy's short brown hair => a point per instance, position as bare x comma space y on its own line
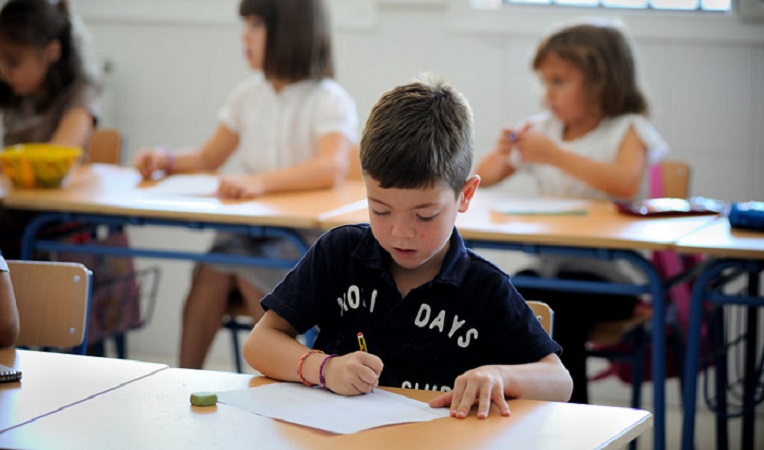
419, 135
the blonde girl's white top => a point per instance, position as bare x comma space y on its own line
278, 130
600, 144
281, 129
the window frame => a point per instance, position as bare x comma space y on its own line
599, 6
713, 27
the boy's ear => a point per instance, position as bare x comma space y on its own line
53, 51
468, 191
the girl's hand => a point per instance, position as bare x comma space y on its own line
150, 161
534, 147
240, 186
483, 385
496, 165
353, 374
505, 142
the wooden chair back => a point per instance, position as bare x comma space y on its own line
105, 146
544, 314
53, 300
354, 169
674, 179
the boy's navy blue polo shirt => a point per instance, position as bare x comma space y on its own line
470, 315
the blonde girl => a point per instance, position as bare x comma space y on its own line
593, 141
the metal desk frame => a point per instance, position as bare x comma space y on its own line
31, 241
704, 290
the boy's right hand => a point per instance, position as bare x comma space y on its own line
353, 374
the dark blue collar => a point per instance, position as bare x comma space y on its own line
455, 265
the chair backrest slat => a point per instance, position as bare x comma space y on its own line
544, 314
670, 178
105, 146
53, 300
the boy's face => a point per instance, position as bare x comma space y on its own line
414, 225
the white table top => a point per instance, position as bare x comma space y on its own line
719, 239
155, 412
115, 190
51, 381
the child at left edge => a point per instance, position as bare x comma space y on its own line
49, 86
9, 314
434, 314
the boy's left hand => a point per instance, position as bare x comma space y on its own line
483, 385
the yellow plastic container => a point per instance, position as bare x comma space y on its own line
39, 165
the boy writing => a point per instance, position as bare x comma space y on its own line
434, 315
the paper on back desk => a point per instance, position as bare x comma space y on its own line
187, 184
318, 408
540, 206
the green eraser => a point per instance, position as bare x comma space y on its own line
204, 399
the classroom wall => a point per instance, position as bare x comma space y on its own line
174, 62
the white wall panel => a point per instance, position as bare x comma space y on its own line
712, 99
757, 115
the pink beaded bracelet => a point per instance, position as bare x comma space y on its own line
299, 367
169, 154
321, 379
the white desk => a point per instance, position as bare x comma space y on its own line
114, 195
154, 412
51, 381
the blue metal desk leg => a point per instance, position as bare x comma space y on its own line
700, 291
722, 378
691, 360
749, 391
659, 371
659, 348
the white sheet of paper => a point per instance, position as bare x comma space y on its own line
541, 206
187, 184
317, 408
